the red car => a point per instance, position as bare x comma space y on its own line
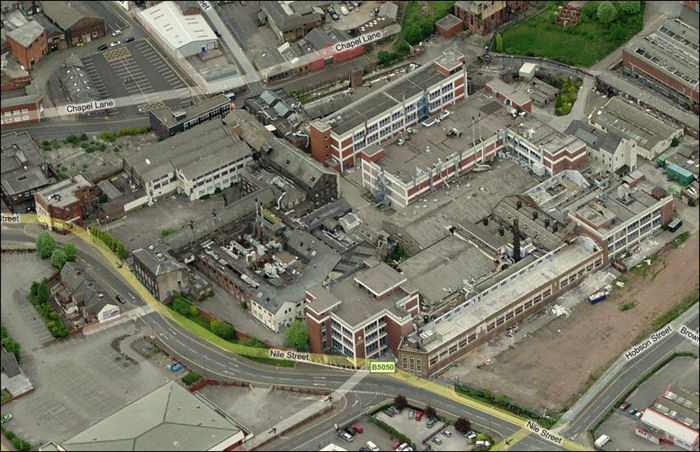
419, 414
396, 444
357, 427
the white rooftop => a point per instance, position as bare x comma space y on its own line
178, 30
668, 425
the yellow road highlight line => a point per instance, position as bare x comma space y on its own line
514, 439
258, 352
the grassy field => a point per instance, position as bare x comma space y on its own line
582, 45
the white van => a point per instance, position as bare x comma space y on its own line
601, 441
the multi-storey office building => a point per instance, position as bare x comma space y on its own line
517, 293
339, 138
70, 200
363, 316
166, 122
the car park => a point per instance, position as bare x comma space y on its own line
357, 427
431, 423
446, 433
436, 440
103, 47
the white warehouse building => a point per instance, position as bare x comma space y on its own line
193, 163
186, 35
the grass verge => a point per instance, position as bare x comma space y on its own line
670, 315
682, 237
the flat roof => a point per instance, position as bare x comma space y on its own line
631, 122
601, 210
673, 49
445, 268
63, 193
167, 115
650, 98
449, 21
465, 318
533, 228
169, 418
24, 180
380, 278
517, 96
177, 29
545, 136
657, 420
431, 144
18, 148
382, 100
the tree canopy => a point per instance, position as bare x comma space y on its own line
606, 12
58, 259
45, 244
296, 335
70, 251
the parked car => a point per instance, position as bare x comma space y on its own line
396, 444
437, 440
411, 413
344, 11
483, 443
470, 435
335, 16
431, 423
624, 406
103, 47
346, 436
388, 412
373, 447
404, 448
430, 122
638, 414
357, 427
396, 411
115, 43
176, 366
121, 299
446, 433
350, 431
419, 414
631, 410
116, 33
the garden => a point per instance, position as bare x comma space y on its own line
602, 27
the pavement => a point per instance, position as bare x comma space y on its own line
215, 362
620, 377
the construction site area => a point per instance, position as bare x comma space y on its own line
563, 344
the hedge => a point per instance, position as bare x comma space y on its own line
392, 431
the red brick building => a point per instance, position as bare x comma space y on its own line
666, 61
448, 26
364, 316
70, 200
28, 43
77, 20
21, 106
483, 17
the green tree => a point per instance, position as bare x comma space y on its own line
430, 412
400, 402
58, 259
45, 244
499, 42
403, 47
629, 8
70, 251
590, 10
181, 305
675, 142
384, 58
462, 425
606, 12
191, 378
296, 335
222, 329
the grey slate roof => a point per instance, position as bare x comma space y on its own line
293, 161
169, 418
593, 137
77, 82
288, 22
26, 34
158, 260
66, 14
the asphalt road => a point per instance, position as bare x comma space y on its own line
632, 372
218, 364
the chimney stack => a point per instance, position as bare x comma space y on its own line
516, 240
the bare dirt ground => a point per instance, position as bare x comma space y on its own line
548, 368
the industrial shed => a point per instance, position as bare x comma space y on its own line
186, 35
